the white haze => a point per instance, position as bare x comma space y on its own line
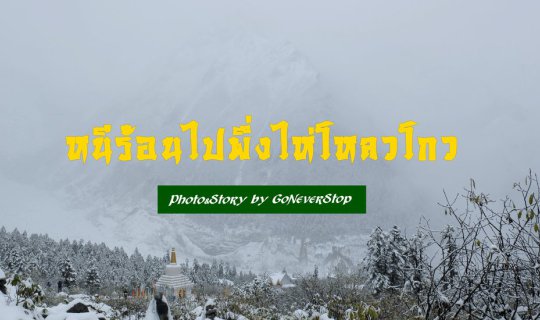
469, 69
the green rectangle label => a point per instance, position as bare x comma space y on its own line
261, 199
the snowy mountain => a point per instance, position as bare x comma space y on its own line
216, 79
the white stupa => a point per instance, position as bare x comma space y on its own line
174, 283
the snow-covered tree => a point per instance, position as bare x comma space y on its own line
68, 273
416, 264
396, 247
376, 266
43, 259
387, 263
221, 272
487, 265
259, 291
449, 248
92, 281
15, 262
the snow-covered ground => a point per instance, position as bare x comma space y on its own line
96, 310
9, 310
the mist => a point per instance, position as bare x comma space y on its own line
455, 67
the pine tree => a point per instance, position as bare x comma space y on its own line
194, 274
221, 272
214, 267
93, 282
416, 262
396, 261
387, 261
15, 262
376, 261
68, 273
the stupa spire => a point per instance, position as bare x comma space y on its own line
173, 256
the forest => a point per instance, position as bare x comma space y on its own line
484, 265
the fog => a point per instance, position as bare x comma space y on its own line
469, 69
